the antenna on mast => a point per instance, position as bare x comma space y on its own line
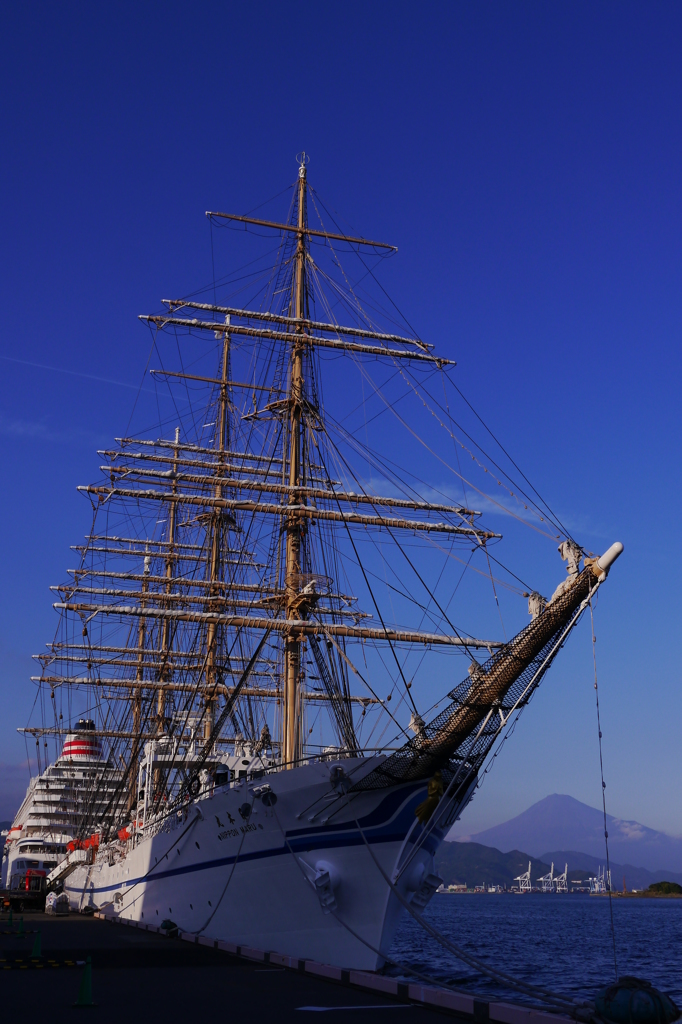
302, 159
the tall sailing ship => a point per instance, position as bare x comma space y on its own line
238, 742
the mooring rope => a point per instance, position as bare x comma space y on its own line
234, 865
500, 976
603, 790
197, 818
406, 968
552, 1000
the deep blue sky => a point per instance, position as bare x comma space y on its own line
525, 158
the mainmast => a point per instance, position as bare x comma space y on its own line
291, 716
216, 544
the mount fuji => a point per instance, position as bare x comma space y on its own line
560, 822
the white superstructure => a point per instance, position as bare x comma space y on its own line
75, 789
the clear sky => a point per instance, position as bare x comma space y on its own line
525, 158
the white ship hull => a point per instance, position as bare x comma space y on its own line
252, 882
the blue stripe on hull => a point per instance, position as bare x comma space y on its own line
303, 840
221, 862
381, 813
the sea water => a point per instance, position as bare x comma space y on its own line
561, 942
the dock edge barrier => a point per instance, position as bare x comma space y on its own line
460, 1003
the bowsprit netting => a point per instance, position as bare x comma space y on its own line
460, 737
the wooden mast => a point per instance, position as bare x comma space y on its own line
216, 544
291, 716
166, 637
136, 697
170, 569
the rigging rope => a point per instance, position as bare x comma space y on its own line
371, 592
514, 464
197, 817
462, 396
497, 600
229, 877
603, 789
557, 522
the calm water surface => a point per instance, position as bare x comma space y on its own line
561, 942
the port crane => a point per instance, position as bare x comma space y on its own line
547, 881
524, 880
602, 882
561, 881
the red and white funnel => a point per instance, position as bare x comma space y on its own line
82, 744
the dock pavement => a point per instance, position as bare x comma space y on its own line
141, 974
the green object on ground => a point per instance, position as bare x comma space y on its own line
666, 888
633, 1001
11, 918
36, 946
85, 991
21, 927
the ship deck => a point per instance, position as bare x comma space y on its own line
140, 972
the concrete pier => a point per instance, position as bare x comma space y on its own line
140, 974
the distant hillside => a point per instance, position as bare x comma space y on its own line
474, 864
562, 823
635, 878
